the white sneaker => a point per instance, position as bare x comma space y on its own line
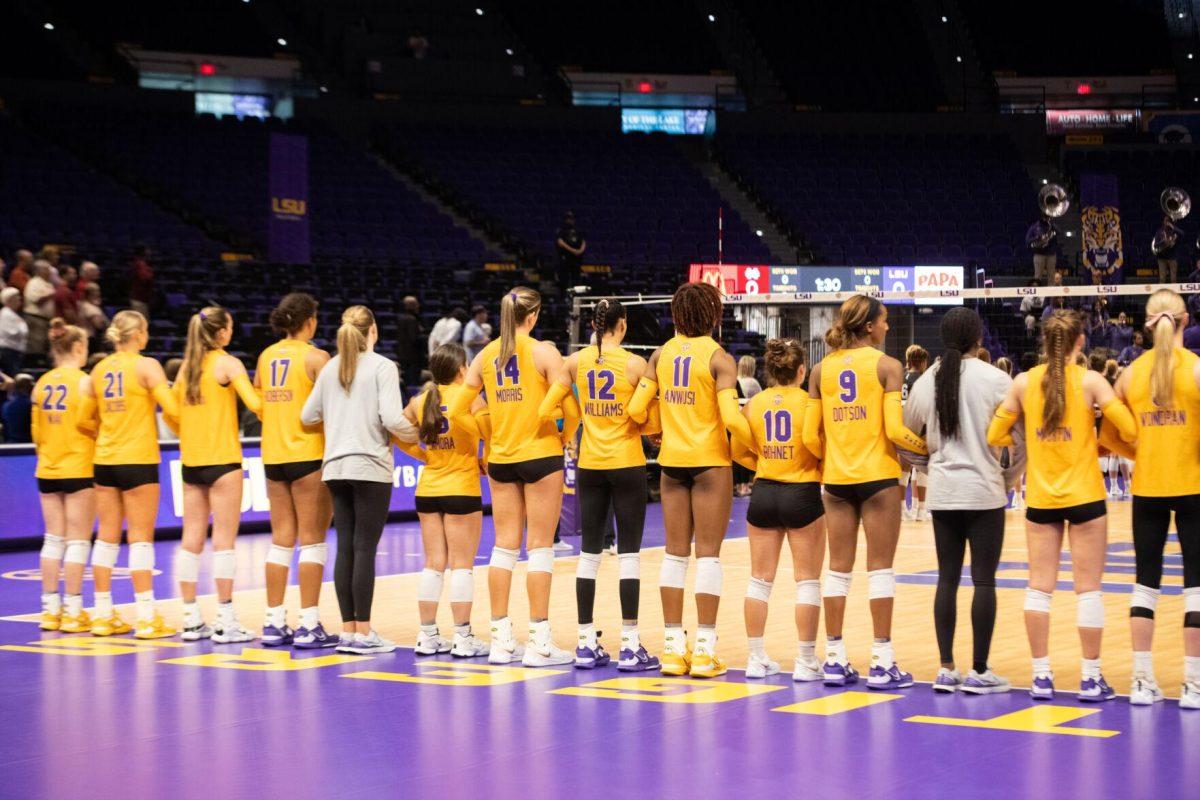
1189, 695
923, 515
563, 547
948, 681
985, 683
761, 667
907, 514
1144, 692
504, 651
468, 646
196, 633
234, 633
431, 644
544, 653
371, 644
808, 671
611, 549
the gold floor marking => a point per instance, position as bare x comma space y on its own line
667, 690
838, 703
89, 646
1036, 719
258, 660
447, 674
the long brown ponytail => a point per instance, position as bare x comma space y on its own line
203, 328
1059, 332
961, 331
515, 308
855, 314
445, 364
1164, 315
357, 322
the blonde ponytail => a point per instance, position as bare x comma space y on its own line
1060, 333
357, 322
515, 307
1164, 314
203, 329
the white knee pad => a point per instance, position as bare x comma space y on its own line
881, 584
1036, 600
53, 547
280, 556
187, 566
1143, 601
541, 559
837, 584
808, 593
1191, 599
224, 564
429, 586
141, 556
1089, 610
708, 575
104, 554
314, 553
503, 558
673, 573
589, 566
77, 551
920, 478
629, 566
759, 590
462, 586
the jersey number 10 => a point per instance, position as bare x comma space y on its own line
778, 425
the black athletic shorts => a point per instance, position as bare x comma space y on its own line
774, 504
859, 493
291, 471
530, 471
686, 475
1076, 515
449, 504
63, 485
207, 476
125, 476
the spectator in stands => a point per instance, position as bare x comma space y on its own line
1029, 360
1168, 264
22, 271
92, 318
1055, 304
1120, 333
14, 331
1045, 255
749, 384
39, 307
18, 412
171, 370
1131, 352
408, 341
141, 281
571, 245
1031, 308
418, 45
52, 254
477, 332
1004, 364
66, 304
448, 329
89, 274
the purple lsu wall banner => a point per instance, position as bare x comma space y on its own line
1100, 219
23, 515
287, 226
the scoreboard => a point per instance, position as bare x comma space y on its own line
752, 279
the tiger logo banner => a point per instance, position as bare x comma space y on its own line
1100, 219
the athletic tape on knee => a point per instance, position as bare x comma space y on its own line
104, 554
708, 575
588, 567
1036, 600
187, 565
314, 553
541, 559
78, 551
1143, 601
141, 556
808, 593
673, 573
53, 547
759, 590
629, 566
429, 586
881, 584
1089, 610
224, 565
280, 556
503, 558
462, 586
837, 584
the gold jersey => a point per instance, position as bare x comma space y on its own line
284, 384
611, 440
208, 430
128, 429
692, 432
59, 409
514, 391
857, 449
452, 464
1061, 471
777, 422
1168, 439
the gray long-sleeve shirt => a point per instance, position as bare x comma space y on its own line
964, 472
357, 423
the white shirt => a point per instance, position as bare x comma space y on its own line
445, 331
474, 332
37, 292
14, 331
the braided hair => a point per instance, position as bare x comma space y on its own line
696, 309
1060, 332
604, 320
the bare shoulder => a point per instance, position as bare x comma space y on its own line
148, 368
652, 362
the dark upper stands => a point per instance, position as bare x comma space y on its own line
220, 27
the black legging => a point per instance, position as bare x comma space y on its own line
624, 491
952, 530
360, 510
1151, 521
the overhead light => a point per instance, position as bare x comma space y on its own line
508, 51
208, 68
324, 90
1190, 56
1196, 99
49, 26
758, 232
1070, 234
945, 18
1045, 181
712, 17
958, 59
479, 12
281, 41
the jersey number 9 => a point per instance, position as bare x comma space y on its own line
849, 383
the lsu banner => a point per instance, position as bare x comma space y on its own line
287, 226
1100, 218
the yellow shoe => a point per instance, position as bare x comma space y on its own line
112, 626
79, 624
676, 663
707, 666
153, 629
50, 622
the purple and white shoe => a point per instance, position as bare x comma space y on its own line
985, 683
1095, 690
315, 639
641, 661
590, 658
276, 637
1043, 687
838, 674
947, 681
890, 678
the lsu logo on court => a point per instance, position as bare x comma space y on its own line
289, 206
